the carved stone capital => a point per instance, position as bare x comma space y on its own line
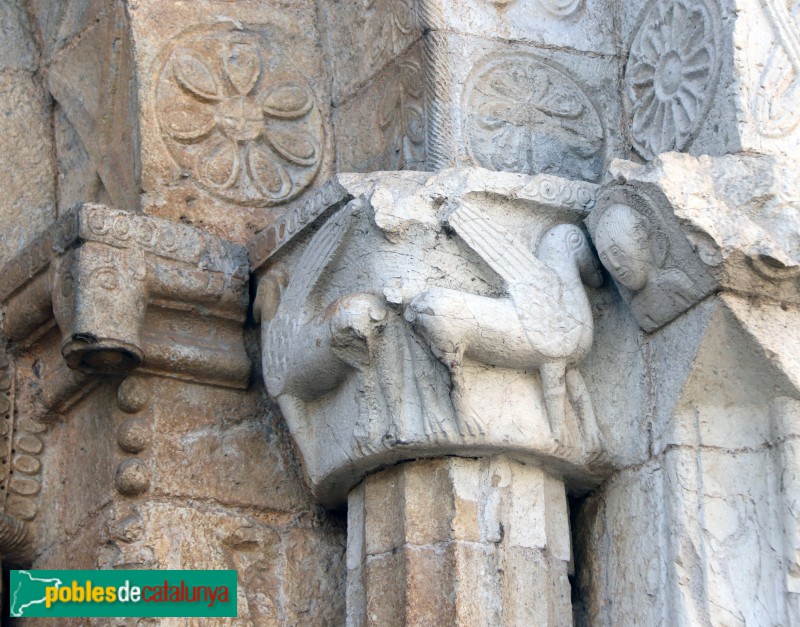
680, 228
432, 316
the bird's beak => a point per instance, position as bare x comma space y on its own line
591, 273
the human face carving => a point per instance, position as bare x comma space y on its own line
623, 245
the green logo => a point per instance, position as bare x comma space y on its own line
123, 593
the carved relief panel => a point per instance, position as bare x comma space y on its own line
675, 230
672, 73
776, 102
523, 114
647, 256
236, 114
519, 108
235, 111
384, 127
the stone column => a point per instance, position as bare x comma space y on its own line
703, 252
458, 542
442, 317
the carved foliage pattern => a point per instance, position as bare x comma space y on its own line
401, 116
388, 24
235, 112
525, 115
776, 104
671, 74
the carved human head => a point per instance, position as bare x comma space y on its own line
622, 238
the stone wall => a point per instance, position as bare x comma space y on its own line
410, 311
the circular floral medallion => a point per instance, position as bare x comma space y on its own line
671, 74
239, 117
525, 115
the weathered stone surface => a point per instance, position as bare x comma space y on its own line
99, 272
235, 108
519, 108
26, 162
224, 446
363, 36
459, 337
580, 25
92, 46
439, 360
17, 45
497, 523
384, 127
674, 231
314, 577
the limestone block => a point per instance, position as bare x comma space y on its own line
785, 413
692, 536
91, 45
362, 36
421, 367
221, 445
722, 533
59, 23
724, 376
26, 163
619, 544
676, 230
495, 549
618, 392
520, 108
77, 466
383, 127
314, 577
581, 25
17, 47
235, 111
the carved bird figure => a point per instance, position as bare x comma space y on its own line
545, 321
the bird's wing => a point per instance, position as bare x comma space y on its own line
317, 255
319, 252
508, 257
536, 290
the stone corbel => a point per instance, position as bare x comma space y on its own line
676, 230
435, 316
106, 293
128, 292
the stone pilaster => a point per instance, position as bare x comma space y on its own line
703, 251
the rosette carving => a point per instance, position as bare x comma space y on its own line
235, 113
671, 74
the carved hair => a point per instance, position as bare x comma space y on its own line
620, 222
